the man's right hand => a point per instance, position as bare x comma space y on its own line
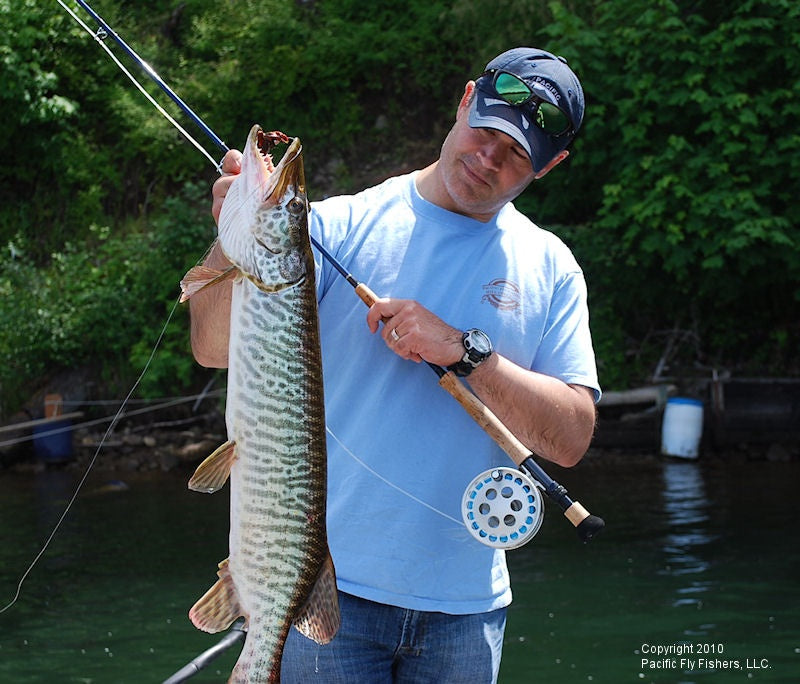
230, 167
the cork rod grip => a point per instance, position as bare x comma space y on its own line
485, 418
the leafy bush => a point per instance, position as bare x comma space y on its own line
103, 302
692, 127
677, 199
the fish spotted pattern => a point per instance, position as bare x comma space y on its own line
279, 571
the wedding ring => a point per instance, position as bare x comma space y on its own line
394, 335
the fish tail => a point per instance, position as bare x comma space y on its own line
318, 619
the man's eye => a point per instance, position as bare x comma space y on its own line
519, 152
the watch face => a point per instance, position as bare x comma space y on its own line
479, 341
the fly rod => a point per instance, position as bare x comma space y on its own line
587, 525
106, 31
151, 73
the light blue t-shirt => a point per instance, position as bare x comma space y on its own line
401, 445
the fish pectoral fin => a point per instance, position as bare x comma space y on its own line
201, 277
219, 606
318, 619
212, 473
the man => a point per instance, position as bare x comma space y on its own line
474, 286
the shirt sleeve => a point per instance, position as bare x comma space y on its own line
566, 351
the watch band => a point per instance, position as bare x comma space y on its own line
477, 348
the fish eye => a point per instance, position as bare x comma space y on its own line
296, 206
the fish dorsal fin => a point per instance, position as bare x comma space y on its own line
219, 606
212, 473
201, 277
318, 619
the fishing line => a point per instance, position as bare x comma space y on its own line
391, 484
83, 479
99, 37
501, 508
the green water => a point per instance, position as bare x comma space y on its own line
702, 555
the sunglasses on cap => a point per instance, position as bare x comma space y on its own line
543, 114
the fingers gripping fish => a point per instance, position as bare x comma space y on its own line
279, 571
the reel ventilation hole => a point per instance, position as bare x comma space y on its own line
502, 508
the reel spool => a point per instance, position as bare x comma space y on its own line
502, 508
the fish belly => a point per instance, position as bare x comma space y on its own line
275, 416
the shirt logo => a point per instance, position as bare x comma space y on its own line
502, 294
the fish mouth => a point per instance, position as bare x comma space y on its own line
288, 173
285, 185
263, 222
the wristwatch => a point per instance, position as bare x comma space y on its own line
477, 348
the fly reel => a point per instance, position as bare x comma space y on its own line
502, 508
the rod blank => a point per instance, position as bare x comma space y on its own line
153, 75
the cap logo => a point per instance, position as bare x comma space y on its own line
548, 86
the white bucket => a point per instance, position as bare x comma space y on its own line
682, 427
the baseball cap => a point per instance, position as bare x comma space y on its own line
533, 96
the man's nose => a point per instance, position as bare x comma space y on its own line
492, 153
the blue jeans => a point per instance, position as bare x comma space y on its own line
378, 644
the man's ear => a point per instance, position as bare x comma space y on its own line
555, 161
466, 98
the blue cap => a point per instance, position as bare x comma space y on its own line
549, 77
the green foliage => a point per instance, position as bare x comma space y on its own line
677, 197
103, 303
692, 126
326, 72
177, 232
40, 130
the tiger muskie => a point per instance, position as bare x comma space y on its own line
279, 572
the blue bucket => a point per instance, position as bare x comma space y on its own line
52, 441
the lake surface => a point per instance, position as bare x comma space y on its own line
695, 579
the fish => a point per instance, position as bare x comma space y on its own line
279, 570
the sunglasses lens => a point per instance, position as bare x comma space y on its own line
511, 89
551, 119
548, 117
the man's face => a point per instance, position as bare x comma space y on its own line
481, 168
